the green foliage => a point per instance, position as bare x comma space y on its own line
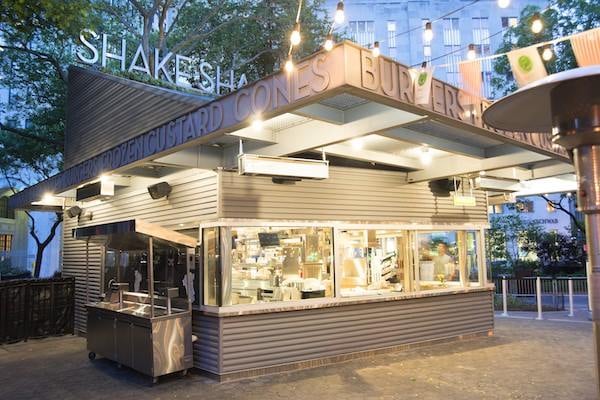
511, 238
558, 249
564, 18
7, 269
40, 38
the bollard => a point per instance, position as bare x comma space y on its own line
571, 297
538, 294
504, 300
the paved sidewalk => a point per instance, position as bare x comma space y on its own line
525, 359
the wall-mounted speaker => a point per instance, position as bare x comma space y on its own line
74, 211
159, 190
443, 187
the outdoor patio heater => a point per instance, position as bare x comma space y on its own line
566, 105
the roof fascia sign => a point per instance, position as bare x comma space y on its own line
184, 67
383, 78
347, 65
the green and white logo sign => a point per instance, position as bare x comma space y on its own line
422, 78
525, 63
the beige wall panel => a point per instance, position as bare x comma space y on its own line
348, 195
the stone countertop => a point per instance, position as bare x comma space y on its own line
309, 304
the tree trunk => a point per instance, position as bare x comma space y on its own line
39, 256
41, 245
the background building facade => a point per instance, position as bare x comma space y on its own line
397, 25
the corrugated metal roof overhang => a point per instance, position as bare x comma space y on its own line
103, 110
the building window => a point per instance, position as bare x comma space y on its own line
363, 32
495, 209
277, 264
261, 265
509, 22
391, 28
451, 36
426, 44
5, 242
5, 211
481, 40
211, 259
372, 261
447, 258
391, 39
524, 206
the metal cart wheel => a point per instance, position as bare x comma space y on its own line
154, 380
184, 372
92, 356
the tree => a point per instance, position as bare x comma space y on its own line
556, 251
558, 205
564, 17
511, 238
39, 38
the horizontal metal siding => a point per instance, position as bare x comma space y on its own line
104, 111
266, 340
207, 345
348, 195
74, 264
192, 200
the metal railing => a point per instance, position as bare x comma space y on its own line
34, 308
541, 287
527, 286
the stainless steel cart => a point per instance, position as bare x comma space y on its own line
136, 324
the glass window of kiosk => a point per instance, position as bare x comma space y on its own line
171, 277
373, 261
447, 258
267, 264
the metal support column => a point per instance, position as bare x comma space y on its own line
151, 274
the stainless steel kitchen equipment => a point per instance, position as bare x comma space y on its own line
132, 324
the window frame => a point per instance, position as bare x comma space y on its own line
412, 256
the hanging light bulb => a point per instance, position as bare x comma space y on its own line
339, 13
328, 42
257, 123
547, 53
425, 155
503, 3
289, 64
295, 37
376, 51
536, 23
471, 55
428, 32
357, 144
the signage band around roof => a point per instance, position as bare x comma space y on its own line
346, 66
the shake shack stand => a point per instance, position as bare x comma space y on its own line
300, 220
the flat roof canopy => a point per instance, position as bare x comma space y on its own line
357, 109
132, 234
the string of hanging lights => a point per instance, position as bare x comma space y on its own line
295, 39
546, 46
536, 25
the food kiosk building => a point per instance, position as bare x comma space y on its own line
371, 254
